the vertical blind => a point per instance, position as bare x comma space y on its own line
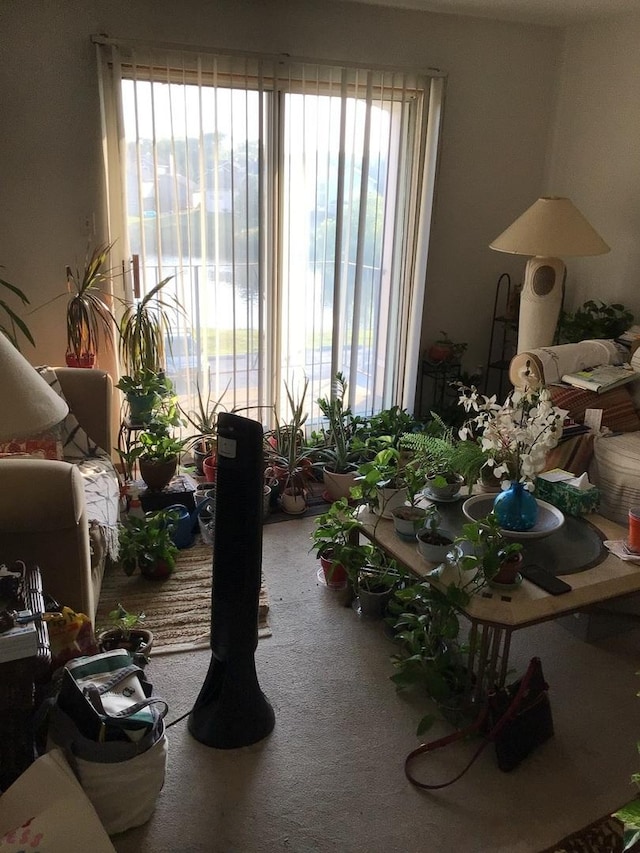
290, 201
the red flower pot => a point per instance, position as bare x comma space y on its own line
209, 469
335, 576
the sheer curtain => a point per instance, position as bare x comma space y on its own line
290, 201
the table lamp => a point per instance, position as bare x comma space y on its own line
551, 227
29, 405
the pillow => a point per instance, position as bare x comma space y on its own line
47, 445
76, 444
618, 412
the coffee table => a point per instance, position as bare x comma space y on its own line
495, 614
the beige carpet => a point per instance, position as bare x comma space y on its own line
178, 610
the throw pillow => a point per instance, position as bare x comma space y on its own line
618, 411
76, 444
47, 445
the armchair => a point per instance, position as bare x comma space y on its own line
45, 516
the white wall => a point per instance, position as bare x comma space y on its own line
595, 155
497, 120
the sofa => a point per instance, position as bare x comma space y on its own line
62, 513
611, 457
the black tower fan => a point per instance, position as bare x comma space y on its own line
231, 710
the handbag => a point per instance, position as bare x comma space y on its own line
111, 729
517, 718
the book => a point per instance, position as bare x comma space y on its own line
19, 642
602, 378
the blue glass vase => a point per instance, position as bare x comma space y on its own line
516, 508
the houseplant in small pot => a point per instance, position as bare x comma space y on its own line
204, 420
381, 482
333, 537
144, 393
409, 518
156, 451
434, 542
342, 448
146, 545
144, 327
445, 350
127, 633
376, 582
287, 456
495, 559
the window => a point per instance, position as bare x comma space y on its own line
290, 202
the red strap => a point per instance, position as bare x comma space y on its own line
471, 729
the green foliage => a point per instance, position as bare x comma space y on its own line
125, 621
593, 320
146, 541
88, 314
489, 547
14, 324
342, 447
204, 419
146, 382
386, 428
144, 327
285, 446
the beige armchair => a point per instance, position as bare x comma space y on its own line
43, 509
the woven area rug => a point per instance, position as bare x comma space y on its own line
178, 610
603, 836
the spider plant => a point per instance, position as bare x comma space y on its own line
88, 314
144, 326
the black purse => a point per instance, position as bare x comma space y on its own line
517, 719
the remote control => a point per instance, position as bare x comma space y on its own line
544, 579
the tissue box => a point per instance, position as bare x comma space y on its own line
567, 498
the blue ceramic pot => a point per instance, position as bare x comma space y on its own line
516, 508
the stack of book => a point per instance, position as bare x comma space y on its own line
18, 642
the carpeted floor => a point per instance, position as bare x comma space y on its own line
329, 778
178, 610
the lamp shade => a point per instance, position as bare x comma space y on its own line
551, 227
29, 406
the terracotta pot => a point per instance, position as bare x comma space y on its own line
209, 468
335, 576
87, 359
158, 571
509, 570
438, 353
157, 475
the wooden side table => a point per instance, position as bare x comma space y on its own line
22, 685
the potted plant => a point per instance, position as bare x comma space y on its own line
146, 544
436, 455
14, 324
381, 481
128, 634
377, 580
156, 451
89, 316
143, 393
445, 350
434, 542
593, 321
334, 536
287, 457
204, 420
431, 655
342, 449
144, 327
494, 558
409, 518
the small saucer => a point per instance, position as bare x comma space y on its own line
438, 499
627, 550
507, 586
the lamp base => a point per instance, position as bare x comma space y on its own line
540, 302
